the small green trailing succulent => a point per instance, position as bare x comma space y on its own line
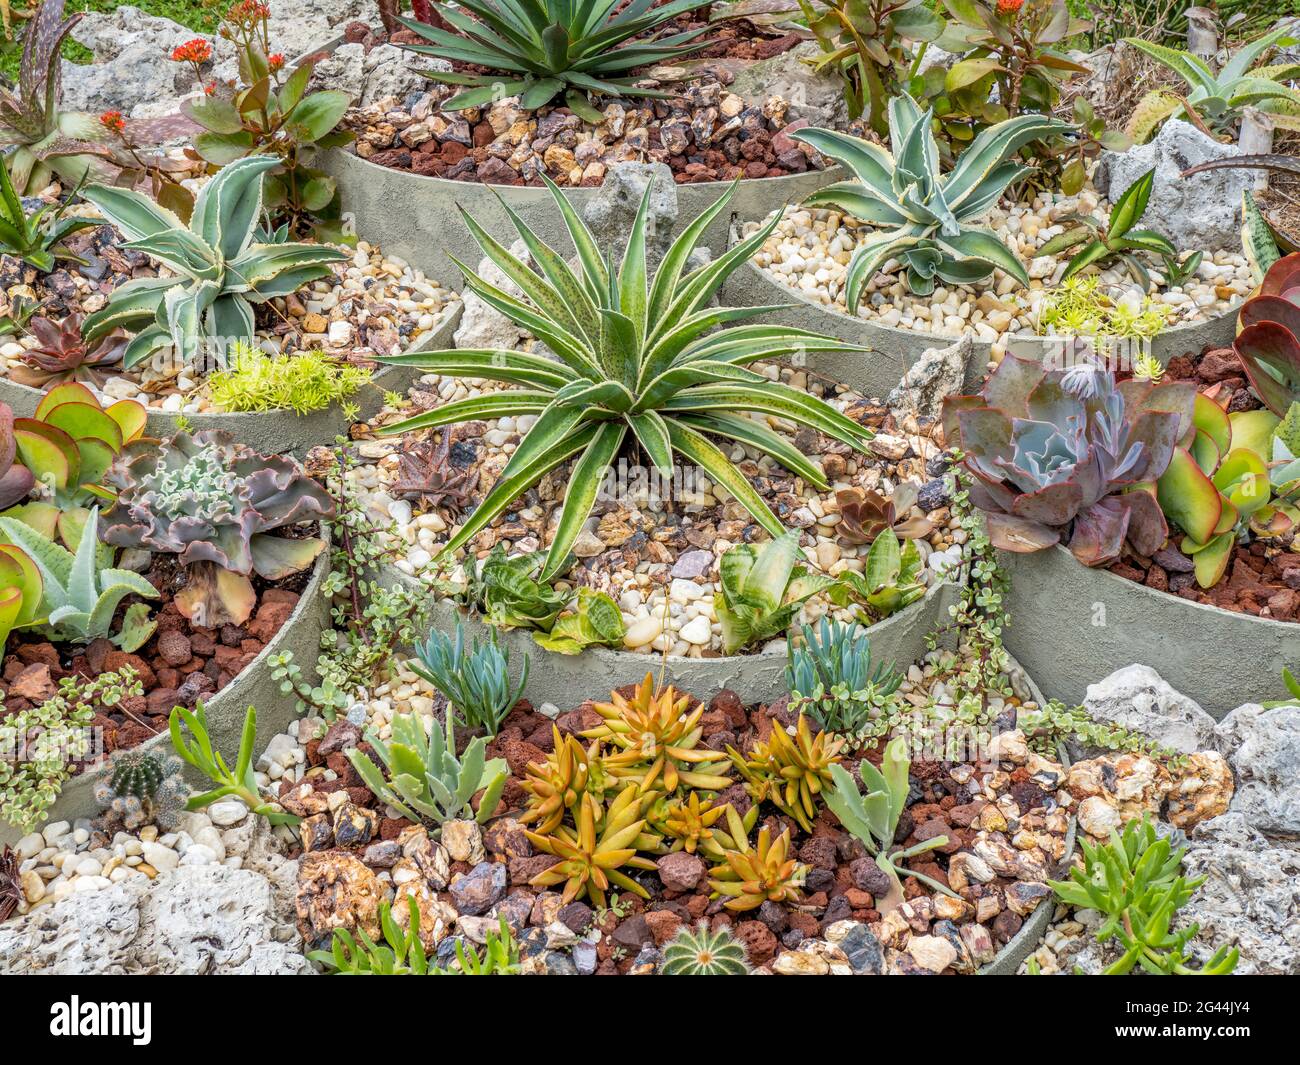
426, 781
37, 238
539, 49
1046, 727
192, 741
890, 581
926, 219
636, 362
139, 787
306, 381
873, 818
217, 268
700, 952
476, 682
762, 590
1079, 307
1117, 240
1135, 881
830, 677
41, 747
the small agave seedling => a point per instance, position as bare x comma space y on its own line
926, 219
873, 818
80, 596
476, 683
700, 952
762, 590
426, 781
1069, 455
217, 269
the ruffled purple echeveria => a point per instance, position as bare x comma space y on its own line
212, 503
1069, 455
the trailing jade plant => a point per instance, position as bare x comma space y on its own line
1268, 341
762, 590
635, 362
540, 49
426, 781
218, 268
215, 504
1135, 881
476, 683
831, 678
36, 238
873, 818
1216, 99
1069, 455
926, 219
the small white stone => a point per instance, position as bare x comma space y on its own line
164, 859
225, 813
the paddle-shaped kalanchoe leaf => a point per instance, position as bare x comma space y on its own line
538, 49
925, 219
636, 361
1269, 342
220, 271
1069, 455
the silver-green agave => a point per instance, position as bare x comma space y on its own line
926, 218
219, 270
633, 360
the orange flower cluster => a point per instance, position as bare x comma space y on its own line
113, 121
195, 51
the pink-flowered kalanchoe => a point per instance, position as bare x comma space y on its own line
213, 503
1069, 456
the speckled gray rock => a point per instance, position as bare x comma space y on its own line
368, 77
1263, 749
1138, 698
818, 98
1202, 212
938, 373
612, 211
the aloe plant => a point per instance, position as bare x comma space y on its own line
1218, 98
37, 239
635, 361
538, 49
425, 778
80, 595
762, 590
873, 818
925, 219
1268, 340
219, 271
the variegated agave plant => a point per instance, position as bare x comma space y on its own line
633, 360
1057, 454
926, 219
219, 269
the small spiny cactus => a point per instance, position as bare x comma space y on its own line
700, 952
141, 788
137, 773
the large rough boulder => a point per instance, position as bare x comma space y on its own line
613, 209
367, 77
937, 374
1139, 699
197, 920
818, 98
1263, 748
483, 326
1200, 213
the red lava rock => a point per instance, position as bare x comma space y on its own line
680, 871
663, 925
760, 943
32, 653
272, 612
115, 660
34, 683
174, 648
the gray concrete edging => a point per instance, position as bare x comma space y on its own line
253, 686
414, 216
1072, 625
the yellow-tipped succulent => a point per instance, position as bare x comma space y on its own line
691, 825
591, 857
791, 772
658, 740
557, 785
751, 876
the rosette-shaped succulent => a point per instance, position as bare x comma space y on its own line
213, 503
1069, 455
61, 355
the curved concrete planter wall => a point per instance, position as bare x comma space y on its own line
225, 711
415, 218
894, 350
1071, 626
275, 432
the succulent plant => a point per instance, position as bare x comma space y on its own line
11, 891
1057, 454
762, 590
16, 480
873, 818
691, 824
831, 679
218, 271
21, 591
591, 856
659, 740
476, 684
425, 778
401, 953
700, 952
140, 787
594, 621
1268, 337
790, 772
866, 513
557, 785
62, 355
538, 49
925, 219
504, 590
635, 362
424, 473
37, 239
750, 876
79, 594
890, 581
214, 503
